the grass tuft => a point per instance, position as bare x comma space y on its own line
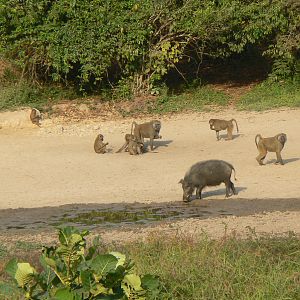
198, 99
24, 94
201, 268
271, 95
255, 268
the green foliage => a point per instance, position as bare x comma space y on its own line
269, 95
92, 42
23, 94
73, 271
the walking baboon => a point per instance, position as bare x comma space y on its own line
217, 125
35, 116
270, 144
146, 130
135, 147
99, 145
128, 137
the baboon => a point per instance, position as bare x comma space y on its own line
35, 116
270, 144
146, 130
99, 146
128, 137
135, 147
217, 125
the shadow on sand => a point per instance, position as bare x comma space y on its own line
224, 136
218, 192
157, 144
285, 161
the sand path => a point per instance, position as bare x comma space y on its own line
56, 164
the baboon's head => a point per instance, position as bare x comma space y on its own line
157, 125
101, 137
211, 123
282, 138
139, 147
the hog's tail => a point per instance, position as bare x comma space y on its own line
234, 173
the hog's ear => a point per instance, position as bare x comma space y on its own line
181, 181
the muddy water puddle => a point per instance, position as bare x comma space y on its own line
122, 215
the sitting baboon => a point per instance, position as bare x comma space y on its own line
217, 125
270, 144
135, 147
128, 137
146, 130
35, 116
99, 145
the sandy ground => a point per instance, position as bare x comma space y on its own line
56, 164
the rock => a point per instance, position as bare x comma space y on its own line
16, 119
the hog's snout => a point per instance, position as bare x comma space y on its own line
186, 198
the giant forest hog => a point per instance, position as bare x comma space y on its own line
207, 173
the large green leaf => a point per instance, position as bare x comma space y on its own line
71, 235
24, 273
85, 277
131, 284
50, 262
66, 294
11, 267
102, 264
121, 258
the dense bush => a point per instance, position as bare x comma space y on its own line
139, 42
71, 271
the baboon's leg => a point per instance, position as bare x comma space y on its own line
228, 187
151, 143
229, 132
233, 188
139, 149
279, 158
217, 134
262, 154
198, 192
142, 141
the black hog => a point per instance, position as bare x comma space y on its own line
207, 173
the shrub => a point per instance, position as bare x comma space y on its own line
72, 271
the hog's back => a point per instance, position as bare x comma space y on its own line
210, 172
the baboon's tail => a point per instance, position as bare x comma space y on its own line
122, 148
133, 123
237, 128
258, 136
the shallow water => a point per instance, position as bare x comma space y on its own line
122, 215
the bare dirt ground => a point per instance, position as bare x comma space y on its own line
55, 164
